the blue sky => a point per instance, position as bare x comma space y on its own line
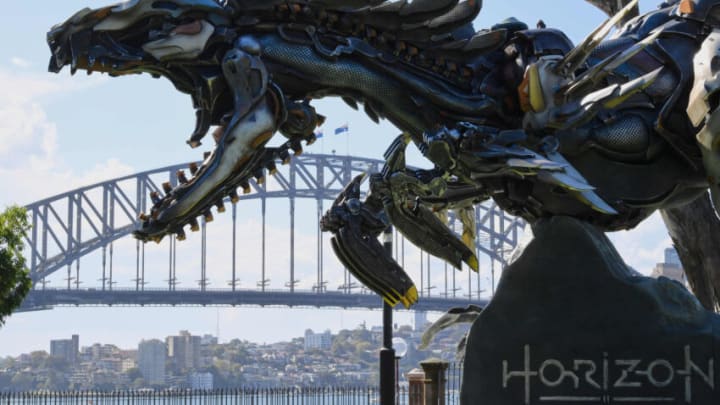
59, 132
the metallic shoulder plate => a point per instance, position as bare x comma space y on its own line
707, 11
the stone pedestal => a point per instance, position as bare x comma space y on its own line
416, 387
434, 381
571, 324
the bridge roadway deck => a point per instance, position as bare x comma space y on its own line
49, 298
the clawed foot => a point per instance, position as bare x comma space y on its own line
356, 226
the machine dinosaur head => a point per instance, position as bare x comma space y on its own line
162, 38
191, 43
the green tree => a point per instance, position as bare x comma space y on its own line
133, 373
14, 277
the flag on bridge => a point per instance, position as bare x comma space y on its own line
342, 129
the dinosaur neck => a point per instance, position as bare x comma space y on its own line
412, 99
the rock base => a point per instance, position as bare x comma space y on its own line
570, 323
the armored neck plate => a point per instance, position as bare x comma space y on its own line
706, 11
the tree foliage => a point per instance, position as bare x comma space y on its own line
14, 277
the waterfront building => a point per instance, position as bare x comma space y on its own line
420, 320
670, 268
67, 349
208, 339
151, 361
127, 364
322, 341
184, 350
672, 257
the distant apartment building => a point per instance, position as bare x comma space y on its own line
672, 257
207, 339
420, 320
127, 364
671, 267
320, 341
151, 361
67, 349
200, 381
184, 350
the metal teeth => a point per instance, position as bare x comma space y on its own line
155, 197
181, 176
259, 176
284, 156
206, 155
143, 217
296, 146
193, 168
167, 187
234, 197
220, 206
194, 226
208, 216
246, 187
180, 235
272, 168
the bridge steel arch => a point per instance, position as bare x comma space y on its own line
68, 226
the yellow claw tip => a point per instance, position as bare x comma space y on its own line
413, 293
409, 298
472, 261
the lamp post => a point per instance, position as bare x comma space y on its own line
387, 354
400, 347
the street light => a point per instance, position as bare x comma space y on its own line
401, 347
387, 354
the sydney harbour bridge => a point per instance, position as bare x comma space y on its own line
265, 250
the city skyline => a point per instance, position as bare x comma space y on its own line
60, 132
184, 360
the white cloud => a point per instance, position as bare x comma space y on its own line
31, 167
20, 62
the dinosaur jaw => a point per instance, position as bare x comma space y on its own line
232, 163
238, 155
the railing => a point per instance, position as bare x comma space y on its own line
240, 396
360, 395
296, 395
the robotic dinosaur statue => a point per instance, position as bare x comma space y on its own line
607, 131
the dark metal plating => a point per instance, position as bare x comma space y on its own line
597, 131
